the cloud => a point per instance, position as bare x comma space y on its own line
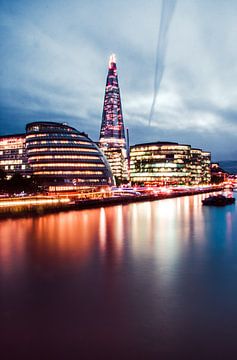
54, 58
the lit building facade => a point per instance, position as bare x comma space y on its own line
64, 157
163, 163
13, 158
206, 167
200, 163
112, 135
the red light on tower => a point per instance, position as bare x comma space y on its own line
112, 61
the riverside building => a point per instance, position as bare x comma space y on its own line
13, 158
163, 163
64, 158
112, 135
60, 156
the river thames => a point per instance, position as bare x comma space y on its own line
142, 281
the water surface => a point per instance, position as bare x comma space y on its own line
154, 280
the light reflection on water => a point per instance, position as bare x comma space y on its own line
163, 230
148, 270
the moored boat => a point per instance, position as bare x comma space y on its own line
218, 200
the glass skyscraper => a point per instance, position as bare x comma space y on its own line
112, 135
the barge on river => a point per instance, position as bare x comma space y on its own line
218, 200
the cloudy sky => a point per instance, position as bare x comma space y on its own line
54, 56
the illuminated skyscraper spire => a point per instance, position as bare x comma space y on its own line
112, 135
112, 127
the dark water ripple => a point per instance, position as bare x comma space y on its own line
155, 280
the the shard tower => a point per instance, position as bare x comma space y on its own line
112, 135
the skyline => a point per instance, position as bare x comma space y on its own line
54, 65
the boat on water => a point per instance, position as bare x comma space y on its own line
218, 200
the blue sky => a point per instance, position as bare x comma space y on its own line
54, 57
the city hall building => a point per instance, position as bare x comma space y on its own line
169, 163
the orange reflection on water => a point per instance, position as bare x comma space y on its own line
164, 230
67, 235
141, 227
13, 245
166, 236
111, 232
102, 230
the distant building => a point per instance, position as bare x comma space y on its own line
112, 135
218, 175
13, 158
163, 163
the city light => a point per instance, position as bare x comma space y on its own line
112, 136
22, 202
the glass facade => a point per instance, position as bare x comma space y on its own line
200, 162
112, 136
13, 158
163, 163
61, 155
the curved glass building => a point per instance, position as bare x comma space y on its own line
64, 157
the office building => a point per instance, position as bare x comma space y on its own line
168, 163
13, 158
112, 139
